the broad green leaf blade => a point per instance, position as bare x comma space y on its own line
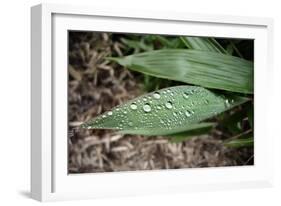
236, 143
137, 45
203, 44
193, 130
167, 111
207, 69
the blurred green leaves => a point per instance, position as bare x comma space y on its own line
207, 69
203, 44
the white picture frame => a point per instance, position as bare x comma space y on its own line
49, 178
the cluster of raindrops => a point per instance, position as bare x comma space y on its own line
171, 107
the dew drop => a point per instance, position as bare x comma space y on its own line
144, 99
186, 95
188, 113
103, 116
146, 108
156, 95
130, 123
175, 114
161, 121
158, 107
109, 113
133, 106
206, 101
169, 105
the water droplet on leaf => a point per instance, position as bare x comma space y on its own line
156, 95
146, 108
133, 106
169, 105
188, 113
186, 95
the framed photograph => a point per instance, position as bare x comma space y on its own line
128, 102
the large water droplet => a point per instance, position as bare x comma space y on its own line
188, 113
146, 108
156, 95
186, 95
169, 105
133, 106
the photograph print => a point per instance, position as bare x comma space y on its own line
141, 102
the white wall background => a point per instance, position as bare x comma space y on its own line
15, 95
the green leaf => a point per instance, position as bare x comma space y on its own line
167, 111
193, 130
236, 143
203, 44
137, 45
207, 69
171, 43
